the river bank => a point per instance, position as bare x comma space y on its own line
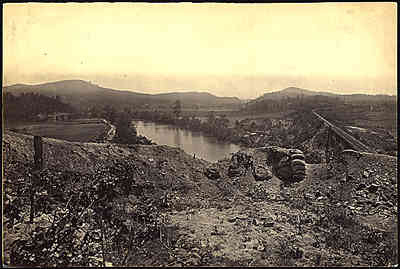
292, 129
289, 130
194, 143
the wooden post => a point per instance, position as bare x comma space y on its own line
327, 153
346, 164
38, 147
38, 165
328, 142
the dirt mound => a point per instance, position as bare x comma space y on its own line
108, 180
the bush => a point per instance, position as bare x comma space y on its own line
125, 130
85, 219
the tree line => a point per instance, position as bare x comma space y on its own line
307, 103
28, 106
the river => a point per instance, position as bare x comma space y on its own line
207, 148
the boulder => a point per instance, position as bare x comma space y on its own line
212, 172
235, 171
295, 151
297, 156
283, 173
298, 162
348, 156
268, 224
299, 175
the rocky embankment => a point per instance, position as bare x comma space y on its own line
141, 205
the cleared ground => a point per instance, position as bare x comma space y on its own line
179, 217
359, 117
76, 131
376, 129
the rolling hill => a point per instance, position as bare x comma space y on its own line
294, 92
81, 94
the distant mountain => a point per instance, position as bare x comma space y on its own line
199, 97
294, 92
81, 93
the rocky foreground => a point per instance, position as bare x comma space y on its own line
113, 204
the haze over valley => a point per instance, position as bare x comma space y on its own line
210, 134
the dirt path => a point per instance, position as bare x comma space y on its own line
240, 233
235, 236
272, 232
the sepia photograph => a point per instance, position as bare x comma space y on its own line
199, 134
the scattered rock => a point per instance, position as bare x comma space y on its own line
268, 224
234, 171
298, 253
261, 173
256, 222
361, 186
373, 188
308, 196
242, 217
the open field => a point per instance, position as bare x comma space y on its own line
376, 129
76, 130
258, 116
234, 116
363, 118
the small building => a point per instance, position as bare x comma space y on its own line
59, 116
41, 116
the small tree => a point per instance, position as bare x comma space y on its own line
177, 107
109, 113
211, 118
224, 121
125, 130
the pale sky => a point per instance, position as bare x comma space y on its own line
239, 50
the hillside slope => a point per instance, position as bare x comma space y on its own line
294, 92
178, 216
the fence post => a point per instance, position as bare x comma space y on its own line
38, 165
328, 142
38, 147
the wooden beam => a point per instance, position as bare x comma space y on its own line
38, 148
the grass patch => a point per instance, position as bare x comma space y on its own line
70, 131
